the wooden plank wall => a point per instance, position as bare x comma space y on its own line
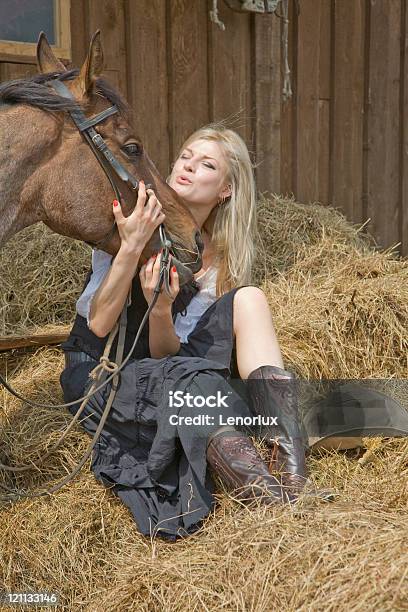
344, 133
342, 138
177, 69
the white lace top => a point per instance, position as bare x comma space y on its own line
183, 325
198, 305
101, 262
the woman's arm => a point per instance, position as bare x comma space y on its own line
163, 339
108, 300
134, 231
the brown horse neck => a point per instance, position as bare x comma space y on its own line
26, 132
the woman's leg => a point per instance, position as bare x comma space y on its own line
255, 337
271, 388
229, 452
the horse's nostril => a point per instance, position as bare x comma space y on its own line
199, 242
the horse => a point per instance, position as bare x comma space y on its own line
49, 174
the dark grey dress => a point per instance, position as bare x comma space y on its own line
152, 460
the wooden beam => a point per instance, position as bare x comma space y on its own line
404, 133
308, 64
268, 92
18, 59
323, 127
80, 31
230, 69
384, 123
147, 77
187, 25
288, 112
8, 343
109, 17
347, 107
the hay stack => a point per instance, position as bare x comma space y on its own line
287, 227
41, 273
340, 307
340, 310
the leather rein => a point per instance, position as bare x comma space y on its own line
106, 370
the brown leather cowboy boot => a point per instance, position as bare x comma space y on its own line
234, 458
272, 394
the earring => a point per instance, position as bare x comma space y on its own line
223, 199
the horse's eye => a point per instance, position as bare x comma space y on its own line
132, 149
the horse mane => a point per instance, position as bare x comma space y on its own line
35, 91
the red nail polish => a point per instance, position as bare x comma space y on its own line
115, 203
173, 269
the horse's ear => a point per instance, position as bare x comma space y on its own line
93, 66
46, 60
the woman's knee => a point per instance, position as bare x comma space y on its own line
250, 295
249, 301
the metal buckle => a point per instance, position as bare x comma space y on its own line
97, 139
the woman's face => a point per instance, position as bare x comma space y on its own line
199, 174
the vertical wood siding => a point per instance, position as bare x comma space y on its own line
342, 138
344, 133
403, 173
384, 120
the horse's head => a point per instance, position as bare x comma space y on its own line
74, 196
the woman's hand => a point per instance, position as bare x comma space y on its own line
136, 229
149, 276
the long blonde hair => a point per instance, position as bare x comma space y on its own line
232, 224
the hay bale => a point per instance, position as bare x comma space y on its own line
340, 310
83, 544
286, 227
41, 274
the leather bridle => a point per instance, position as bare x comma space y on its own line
110, 164
105, 157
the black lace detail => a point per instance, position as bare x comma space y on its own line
184, 297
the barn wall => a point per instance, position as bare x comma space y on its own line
340, 140
344, 135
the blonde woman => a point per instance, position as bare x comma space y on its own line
176, 410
